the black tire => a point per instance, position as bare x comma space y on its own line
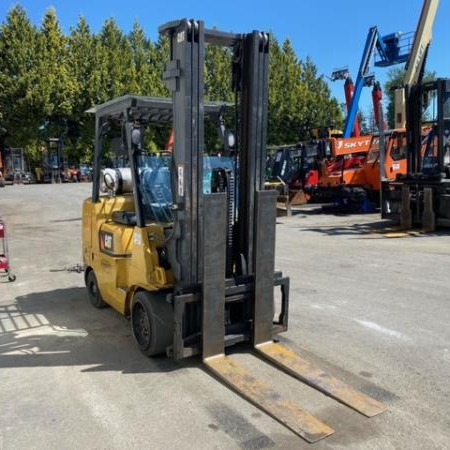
11, 277
152, 322
93, 291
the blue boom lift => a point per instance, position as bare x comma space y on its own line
391, 49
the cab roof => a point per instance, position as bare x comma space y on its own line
147, 109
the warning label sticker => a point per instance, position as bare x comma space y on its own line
181, 181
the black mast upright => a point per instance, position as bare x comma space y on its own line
184, 76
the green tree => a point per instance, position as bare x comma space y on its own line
395, 77
299, 99
218, 73
116, 60
218, 88
18, 57
85, 67
159, 56
48, 80
367, 122
320, 109
159, 52
54, 89
140, 49
284, 91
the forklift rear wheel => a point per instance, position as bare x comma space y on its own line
152, 322
94, 292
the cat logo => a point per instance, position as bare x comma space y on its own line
106, 242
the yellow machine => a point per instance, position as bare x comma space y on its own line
125, 262
184, 244
119, 263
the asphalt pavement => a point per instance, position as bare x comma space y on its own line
368, 305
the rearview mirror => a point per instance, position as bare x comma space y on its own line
231, 139
136, 138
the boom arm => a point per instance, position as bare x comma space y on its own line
390, 51
363, 72
417, 58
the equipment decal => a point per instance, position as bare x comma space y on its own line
181, 181
106, 242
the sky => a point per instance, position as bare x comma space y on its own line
331, 33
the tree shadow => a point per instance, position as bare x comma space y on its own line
61, 328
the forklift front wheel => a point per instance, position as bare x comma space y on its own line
93, 291
152, 322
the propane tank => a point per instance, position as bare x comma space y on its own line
116, 181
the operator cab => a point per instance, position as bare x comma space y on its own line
154, 181
129, 220
122, 156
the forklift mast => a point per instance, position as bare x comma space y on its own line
415, 65
246, 223
422, 195
409, 100
428, 158
185, 74
222, 244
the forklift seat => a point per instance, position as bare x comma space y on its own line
127, 218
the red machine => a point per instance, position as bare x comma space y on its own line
5, 268
377, 100
2, 179
349, 89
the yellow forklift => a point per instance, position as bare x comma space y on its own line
184, 243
